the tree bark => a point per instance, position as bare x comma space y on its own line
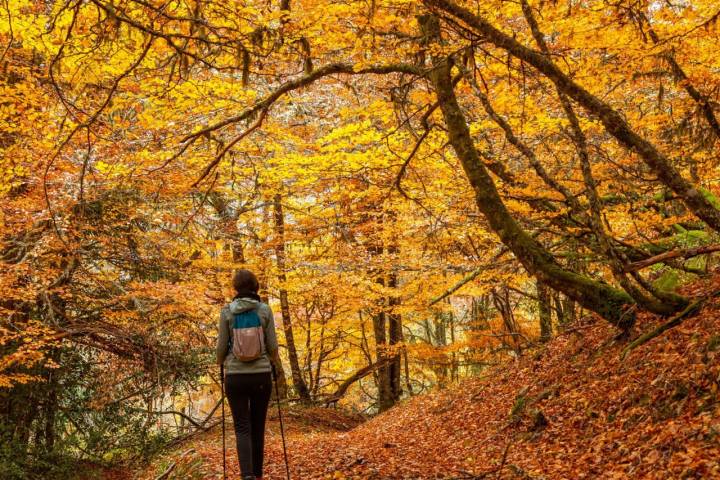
387, 329
395, 337
387, 324
383, 372
440, 334
501, 300
359, 375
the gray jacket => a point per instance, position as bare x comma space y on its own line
224, 353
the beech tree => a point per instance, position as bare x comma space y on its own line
422, 187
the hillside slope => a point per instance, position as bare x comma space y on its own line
570, 410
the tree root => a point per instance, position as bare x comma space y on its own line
689, 311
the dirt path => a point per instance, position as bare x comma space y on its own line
201, 458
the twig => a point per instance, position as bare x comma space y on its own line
271, 98
10, 31
468, 278
403, 168
167, 472
172, 466
483, 475
504, 457
219, 156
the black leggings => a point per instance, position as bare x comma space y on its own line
249, 396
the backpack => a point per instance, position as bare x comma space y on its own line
248, 338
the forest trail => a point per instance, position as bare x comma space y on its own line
201, 457
450, 209
569, 410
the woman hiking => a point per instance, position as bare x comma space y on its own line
246, 343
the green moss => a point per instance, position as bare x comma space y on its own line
713, 343
668, 281
521, 402
710, 197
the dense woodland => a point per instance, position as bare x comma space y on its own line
426, 189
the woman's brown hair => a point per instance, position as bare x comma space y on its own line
246, 284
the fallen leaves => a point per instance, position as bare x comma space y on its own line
654, 416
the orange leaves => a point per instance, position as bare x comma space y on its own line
29, 349
155, 251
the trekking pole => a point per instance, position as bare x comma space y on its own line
222, 401
282, 429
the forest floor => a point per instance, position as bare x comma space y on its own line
571, 409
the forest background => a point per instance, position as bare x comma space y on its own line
425, 189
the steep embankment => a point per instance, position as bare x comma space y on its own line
570, 410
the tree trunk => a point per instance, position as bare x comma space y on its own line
663, 303
440, 334
453, 356
298, 380
387, 324
280, 377
608, 302
383, 373
567, 310
395, 338
501, 299
544, 311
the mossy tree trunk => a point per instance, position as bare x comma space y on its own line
395, 337
607, 301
